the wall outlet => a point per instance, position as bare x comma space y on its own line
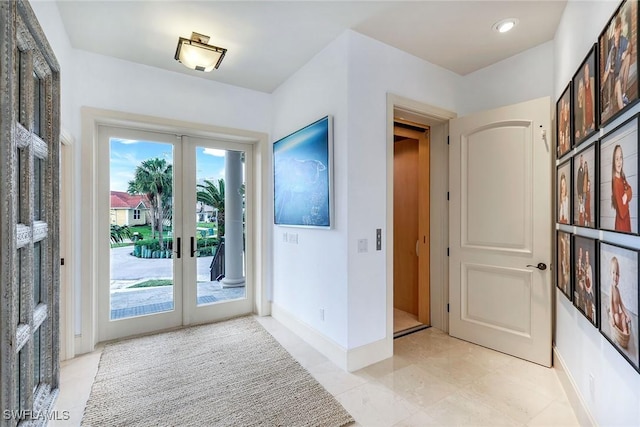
322, 314
285, 237
363, 245
293, 238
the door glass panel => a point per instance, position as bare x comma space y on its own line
37, 189
37, 272
141, 228
19, 377
37, 104
19, 272
220, 225
19, 175
36, 358
20, 81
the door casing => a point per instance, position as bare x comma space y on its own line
438, 121
92, 118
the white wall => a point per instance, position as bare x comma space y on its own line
522, 77
348, 81
584, 351
370, 80
101, 82
312, 274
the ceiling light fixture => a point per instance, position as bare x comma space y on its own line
505, 25
196, 54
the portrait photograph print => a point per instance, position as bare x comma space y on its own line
302, 176
584, 199
619, 299
618, 61
618, 208
584, 99
563, 191
563, 123
563, 279
585, 275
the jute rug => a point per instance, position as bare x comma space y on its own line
232, 373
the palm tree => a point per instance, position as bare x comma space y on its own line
212, 195
119, 233
154, 178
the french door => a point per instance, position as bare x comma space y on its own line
29, 209
172, 249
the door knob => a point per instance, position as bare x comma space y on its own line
540, 266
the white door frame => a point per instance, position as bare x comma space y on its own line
67, 246
91, 119
438, 121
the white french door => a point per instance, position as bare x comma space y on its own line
164, 259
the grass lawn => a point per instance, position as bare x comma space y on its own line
153, 282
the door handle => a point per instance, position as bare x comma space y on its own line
193, 246
179, 251
541, 266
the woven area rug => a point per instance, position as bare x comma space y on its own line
232, 373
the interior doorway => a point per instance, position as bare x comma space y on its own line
411, 284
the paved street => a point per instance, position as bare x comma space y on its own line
127, 270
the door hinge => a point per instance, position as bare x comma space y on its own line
447, 139
61, 261
447, 251
447, 308
447, 195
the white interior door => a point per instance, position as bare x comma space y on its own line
500, 209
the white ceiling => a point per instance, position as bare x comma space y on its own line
268, 41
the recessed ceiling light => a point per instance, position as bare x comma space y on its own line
505, 25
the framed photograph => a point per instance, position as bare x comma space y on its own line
585, 184
585, 275
563, 263
563, 123
618, 62
584, 99
619, 299
303, 178
563, 193
618, 207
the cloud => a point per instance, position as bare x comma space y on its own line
125, 141
214, 152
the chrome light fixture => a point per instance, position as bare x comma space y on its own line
196, 54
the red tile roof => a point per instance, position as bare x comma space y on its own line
123, 200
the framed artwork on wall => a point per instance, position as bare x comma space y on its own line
619, 299
584, 99
563, 263
585, 274
585, 184
618, 62
563, 193
618, 207
302, 176
563, 123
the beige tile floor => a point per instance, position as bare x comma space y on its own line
403, 320
432, 380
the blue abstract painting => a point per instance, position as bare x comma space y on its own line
302, 176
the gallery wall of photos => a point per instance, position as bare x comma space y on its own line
597, 162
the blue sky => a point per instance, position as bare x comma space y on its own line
126, 155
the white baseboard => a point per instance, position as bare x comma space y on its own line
573, 394
348, 360
363, 356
